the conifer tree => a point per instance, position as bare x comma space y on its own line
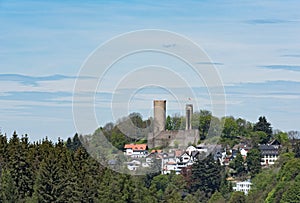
206, 175
8, 188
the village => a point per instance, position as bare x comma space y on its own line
178, 156
178, 159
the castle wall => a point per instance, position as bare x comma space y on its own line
162, 138
181, 138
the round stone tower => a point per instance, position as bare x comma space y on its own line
159, 115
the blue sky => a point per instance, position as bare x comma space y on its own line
254, 45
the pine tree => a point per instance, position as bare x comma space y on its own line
206, 175
19, 166
8, 188
253, 161
51, 184
264, 126
238, 164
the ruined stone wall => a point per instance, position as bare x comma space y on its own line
181, 138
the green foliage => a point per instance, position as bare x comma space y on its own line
261, 186
290, 170
292, 195
253, 161
65, 172
8, 188
204, 123
282, 137
217, 198
169, 123
238, 164
230, 129
74, 144
264, 126
287, 184
237, 197
206, 176
175, 123
296, 150
259, 137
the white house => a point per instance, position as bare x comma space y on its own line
269, 154
136, 150
133, 165
244, 187
178, 159
190, 149
244, 152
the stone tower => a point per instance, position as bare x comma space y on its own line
189, 115
159, 116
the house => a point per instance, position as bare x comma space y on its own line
243, 148
133, 165
190, 149
275, 143
178, 159
269, 154
168, 163
136, 150
244, 187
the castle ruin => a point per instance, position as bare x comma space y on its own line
160, 137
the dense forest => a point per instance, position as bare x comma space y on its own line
63, 171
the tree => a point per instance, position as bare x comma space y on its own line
169, 123
52, 184
292, 195
204, 123
206, 175
217, 198
244, 127
264, 126
238, 164
262, 184
237, 197
19, 167
282, 137
259, 137
8, 188
230, 129
253, 161
75, 143
296, 150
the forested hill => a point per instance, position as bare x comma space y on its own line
63, 171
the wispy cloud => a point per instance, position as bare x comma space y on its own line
32, 80
267, 21
169, 45
210, 63
283, 67
291, 55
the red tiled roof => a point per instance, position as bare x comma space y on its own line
136, 146
156, 150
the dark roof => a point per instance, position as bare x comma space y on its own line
275, 142
268, 150
194, 153
267, 147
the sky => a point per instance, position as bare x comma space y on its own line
253, 45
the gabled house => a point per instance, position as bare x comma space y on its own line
190, 149
179, 159
136, 150
275, 143
269, 154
